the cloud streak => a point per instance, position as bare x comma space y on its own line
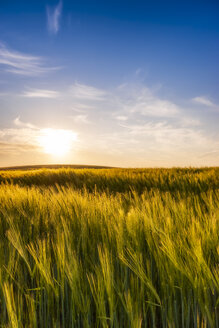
134, 120
8, 148
26, 137
131, 123
86, 92
80, 119
166, 136
23, 64
21, 124
40, 93
125, 99
203, 101
53, 18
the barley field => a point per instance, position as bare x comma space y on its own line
109, 248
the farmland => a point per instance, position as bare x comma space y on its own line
109, 248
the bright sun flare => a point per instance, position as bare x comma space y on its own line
56, 142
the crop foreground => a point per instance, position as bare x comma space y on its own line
109, 248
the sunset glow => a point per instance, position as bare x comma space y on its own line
56, 142
135, 80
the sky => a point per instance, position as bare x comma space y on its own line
120, 83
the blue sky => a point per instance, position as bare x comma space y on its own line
132, 83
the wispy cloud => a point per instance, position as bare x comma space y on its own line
121, 117
151, 142
53, 17
213, 153
126, 99
145, 101
26, 137
21, 124
86, 92
40, 93
23, 64
18, 136
165, 135
11, 147
80, 119
82, 108
135, 121
203, 101
132, 124
154, 107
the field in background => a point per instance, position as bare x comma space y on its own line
109, 248
52, 166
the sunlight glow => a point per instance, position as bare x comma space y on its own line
56, 142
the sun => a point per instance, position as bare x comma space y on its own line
56, 142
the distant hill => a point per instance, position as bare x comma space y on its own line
53, 166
